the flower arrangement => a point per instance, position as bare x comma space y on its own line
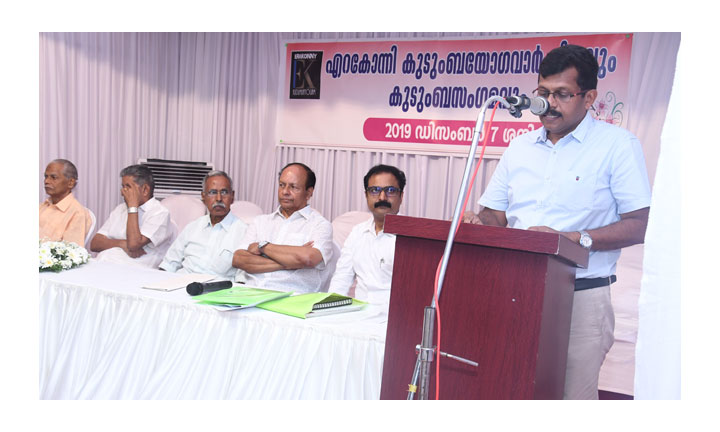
57, 256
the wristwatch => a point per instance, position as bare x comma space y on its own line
585, 240
132, 210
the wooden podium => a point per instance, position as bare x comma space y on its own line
506, 304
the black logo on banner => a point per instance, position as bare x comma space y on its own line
305, 74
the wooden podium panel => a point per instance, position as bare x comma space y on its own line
506, 304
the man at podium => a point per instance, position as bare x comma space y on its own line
584, 179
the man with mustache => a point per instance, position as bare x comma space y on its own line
288, 249
62, 217
206, 245
584, 179
368, 253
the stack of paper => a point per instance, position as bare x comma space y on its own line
301, 305
239, 297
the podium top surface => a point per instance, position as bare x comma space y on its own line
489, 236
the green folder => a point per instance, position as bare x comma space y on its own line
240, 297
301, 305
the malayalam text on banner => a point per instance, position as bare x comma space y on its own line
425, 95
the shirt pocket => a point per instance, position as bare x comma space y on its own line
386, 266
575, 191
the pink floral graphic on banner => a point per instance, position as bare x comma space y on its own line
608, 109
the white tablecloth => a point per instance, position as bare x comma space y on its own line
104, 337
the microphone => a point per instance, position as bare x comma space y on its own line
538, 105
197, 288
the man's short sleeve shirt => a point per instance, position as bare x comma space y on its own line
584, 181
67, 220
203, 247
301, 227
154, 220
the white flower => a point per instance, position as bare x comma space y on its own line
46, 262
45, 256
61, 255
75, 256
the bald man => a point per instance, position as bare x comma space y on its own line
289, 249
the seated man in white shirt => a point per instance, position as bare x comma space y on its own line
206, 245
368, 253
289, 249
139, 230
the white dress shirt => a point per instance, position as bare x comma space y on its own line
203, 247
154, 221
584, 181
301, 227
367, 257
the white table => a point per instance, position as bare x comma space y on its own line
104, 337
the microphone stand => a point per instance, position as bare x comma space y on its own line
426, 350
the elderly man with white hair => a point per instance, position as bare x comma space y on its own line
207, 244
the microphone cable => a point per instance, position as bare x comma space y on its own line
486, 133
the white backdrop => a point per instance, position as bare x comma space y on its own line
657, 369
108, 99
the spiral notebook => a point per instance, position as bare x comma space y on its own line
334, 300
313, 304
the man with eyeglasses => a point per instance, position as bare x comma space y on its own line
206, 245
368, 253
287, 250
138, 231
581, 178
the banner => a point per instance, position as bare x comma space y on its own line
425, 95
